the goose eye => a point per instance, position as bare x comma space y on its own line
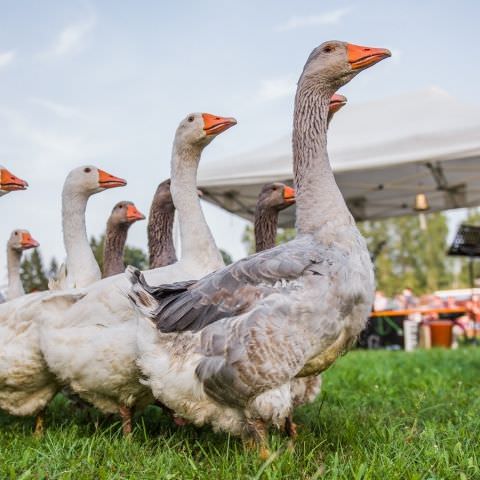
16, 233
87, 170
329, 48
191, 118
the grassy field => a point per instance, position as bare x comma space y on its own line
382, 415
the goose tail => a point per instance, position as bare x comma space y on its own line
140, 294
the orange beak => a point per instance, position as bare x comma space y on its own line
10, 182
337, 102
363, 57
133, 214
288, 194
105, 180
28, 241
213, 125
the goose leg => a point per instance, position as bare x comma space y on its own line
178, 421
39, 422
126, 415
290, 427
255, 438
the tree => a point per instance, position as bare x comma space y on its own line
132, 255
32, 272
227, 258
410, 256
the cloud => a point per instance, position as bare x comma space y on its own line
275, 88
327, 18
6, 58
59, 109
71, 39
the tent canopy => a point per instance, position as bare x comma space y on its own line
383, 153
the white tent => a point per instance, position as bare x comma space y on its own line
383, 153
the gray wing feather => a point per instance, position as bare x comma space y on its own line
225, 293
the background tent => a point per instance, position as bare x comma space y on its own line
383, 153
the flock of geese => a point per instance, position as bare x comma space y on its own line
237, 347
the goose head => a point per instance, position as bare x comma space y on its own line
89, 179
276, 196
9, 182
336, 63
163, 195
199, 129
22, 240
126, 213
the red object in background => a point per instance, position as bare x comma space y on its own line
441, 333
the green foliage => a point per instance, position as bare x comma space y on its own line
381, 415
410, 256
32, 272
132, 255
227, 258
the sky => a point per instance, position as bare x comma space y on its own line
107, 82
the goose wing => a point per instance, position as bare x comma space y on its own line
228, 292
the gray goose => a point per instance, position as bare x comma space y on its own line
160, 225
123, 216
229, 344
273, 198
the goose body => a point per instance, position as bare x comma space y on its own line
93, 348
26, 383
229, 345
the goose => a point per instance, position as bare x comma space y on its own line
160, 226
20, 240
92, 347
123, 216
273, 198
9, 182
81, 267
228, 345
306, 389
26, 384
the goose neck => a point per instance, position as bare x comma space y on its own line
318, 198
15, 286
114, 246
265, 228
197, 243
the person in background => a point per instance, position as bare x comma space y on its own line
410, 300
381, 301
451, 302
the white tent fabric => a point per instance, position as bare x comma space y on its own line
383, 153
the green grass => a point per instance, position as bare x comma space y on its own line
382, 415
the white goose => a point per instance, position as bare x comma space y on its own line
9, 182
228, 346
81, 268
26, 384
93, 348
20, 240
